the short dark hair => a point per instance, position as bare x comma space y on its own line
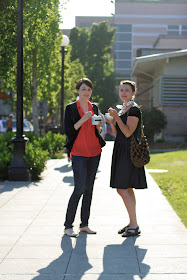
84, 81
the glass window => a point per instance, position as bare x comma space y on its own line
123, 71
122, 64
171, 27
122, 46
122, 55
124, 27
184, 32
173, 32
123, 37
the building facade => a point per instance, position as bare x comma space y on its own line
146, 24
162, 83
143, 24
150, 47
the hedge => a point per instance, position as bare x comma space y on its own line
37, 152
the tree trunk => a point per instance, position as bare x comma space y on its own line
34, 96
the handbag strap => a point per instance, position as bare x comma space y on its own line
142, 125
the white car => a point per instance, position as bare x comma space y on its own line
27, 126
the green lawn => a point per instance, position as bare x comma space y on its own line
174, 182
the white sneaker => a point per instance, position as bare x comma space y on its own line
87, 230
70, 232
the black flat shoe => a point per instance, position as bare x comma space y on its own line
123, 230
131, 232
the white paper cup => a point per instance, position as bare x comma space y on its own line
107, 115
96, 119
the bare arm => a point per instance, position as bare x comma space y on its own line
130, 126
86, 117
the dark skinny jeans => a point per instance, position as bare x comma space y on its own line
84, 169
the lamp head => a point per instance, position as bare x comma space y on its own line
65, 41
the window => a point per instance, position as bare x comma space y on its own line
122, 46
126, 37
122, 55
123, 49
184, 30
122, 64
124, 27
123, 72
173, 29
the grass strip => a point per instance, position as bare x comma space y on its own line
174, 182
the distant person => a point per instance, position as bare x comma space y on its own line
9, 124
1, 126
84, 144
103, 126
124, 175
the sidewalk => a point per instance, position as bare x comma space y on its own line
32, 244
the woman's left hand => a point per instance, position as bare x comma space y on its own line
98, 126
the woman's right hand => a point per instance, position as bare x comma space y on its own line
111, 120
87, 116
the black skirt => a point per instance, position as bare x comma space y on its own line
124, 174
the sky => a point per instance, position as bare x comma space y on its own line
84, 8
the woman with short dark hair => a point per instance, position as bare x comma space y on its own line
84, 144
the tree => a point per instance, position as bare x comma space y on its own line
8, 45
79, 39
42, 58
73, 71
95, 55
42, 39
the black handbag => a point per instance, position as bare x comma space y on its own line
139, 151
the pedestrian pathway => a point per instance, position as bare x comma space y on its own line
33, 246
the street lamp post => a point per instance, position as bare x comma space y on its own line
65, 43
18, 170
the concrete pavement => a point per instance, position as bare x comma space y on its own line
32, 244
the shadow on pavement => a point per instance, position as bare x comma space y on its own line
69, 180
64, 169
9, 186
69, 262
123, 261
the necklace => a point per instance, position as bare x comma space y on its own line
124, 106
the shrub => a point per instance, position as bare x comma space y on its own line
160, 140
52, 142
31, 135
35, 159
5, 162
36, 152
6, 149
154, 121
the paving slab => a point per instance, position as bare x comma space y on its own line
34, 266
4, 251
104, 277
32, 277
166, 277
33, 245
126, 265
